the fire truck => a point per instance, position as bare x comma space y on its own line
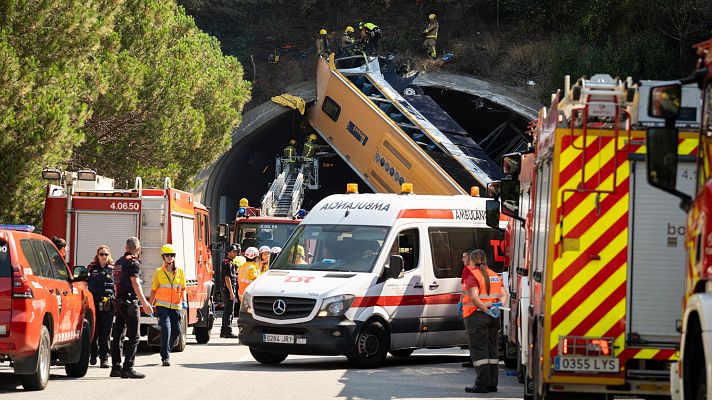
597, 246
88, 211
691, 376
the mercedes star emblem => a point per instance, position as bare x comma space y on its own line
279, 307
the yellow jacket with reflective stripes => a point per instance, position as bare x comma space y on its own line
169, 288
431, 32
247, 273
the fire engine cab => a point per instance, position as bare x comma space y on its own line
368, 274
88, 211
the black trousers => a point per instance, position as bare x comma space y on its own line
102, 333
228, 311
125, 325
483, 331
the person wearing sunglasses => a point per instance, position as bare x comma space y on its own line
101, 286
167, 294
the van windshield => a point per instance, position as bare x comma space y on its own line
345, 248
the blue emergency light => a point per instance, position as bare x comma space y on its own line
300, 214
20, 228
241, 211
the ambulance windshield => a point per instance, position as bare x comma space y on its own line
345, 248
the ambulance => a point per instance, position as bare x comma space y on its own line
365, 275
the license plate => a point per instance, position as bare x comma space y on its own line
271, 338
609, 365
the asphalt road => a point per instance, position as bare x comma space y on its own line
223, 369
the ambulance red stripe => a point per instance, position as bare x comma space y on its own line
406, 300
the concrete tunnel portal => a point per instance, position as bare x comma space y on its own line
495, 117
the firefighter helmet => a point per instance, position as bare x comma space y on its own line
349, 29
168, 249
244, 202
322, 32
431, 17
264, 249
292, 141
312, 137
251, 253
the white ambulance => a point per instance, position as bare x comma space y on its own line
368, 274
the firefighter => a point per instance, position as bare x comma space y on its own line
348, 39
309, 148
249, 271
370, 34
229, 275
101, 286
167, 293
265, 252
431, 36
322, 44
482, 295
290, 152
128, 297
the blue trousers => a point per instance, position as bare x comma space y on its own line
169, 321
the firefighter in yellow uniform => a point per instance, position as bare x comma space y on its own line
322, 44
482, 295
348, 40
167, 294
431, 36
290, 152
249, 271
309, 148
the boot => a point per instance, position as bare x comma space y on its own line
115, 372
132, 374
92, 360
104, 364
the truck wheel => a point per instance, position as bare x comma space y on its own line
79, 369
202, 333
701, 393
267, 358
371, 347
38, 380
401, 353
183, 337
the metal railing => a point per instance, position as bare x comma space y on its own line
269, 200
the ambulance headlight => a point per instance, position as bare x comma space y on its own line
245, 303
336, 305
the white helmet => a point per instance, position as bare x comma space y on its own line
276, 249
251, 253
264, 249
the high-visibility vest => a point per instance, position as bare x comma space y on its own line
169, 287
289, 153
488, 299
370, 26
431, 32
248, 272
308, 150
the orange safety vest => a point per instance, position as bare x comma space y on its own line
493, 296
246, 270
169, 288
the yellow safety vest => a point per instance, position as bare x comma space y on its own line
169, 288
247, 273
308, 150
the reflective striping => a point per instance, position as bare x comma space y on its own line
485, 361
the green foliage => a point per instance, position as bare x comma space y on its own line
127, 87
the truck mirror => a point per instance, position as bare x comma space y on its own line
509, 193
81, 274
395, 267
512, 164
223, 232
665, 101
492, 213
661, 157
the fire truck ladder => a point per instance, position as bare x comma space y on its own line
286, 192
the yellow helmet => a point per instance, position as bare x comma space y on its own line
349, 29
312, 137
244, 202
431, 17
292, 141
322, 32
168, 249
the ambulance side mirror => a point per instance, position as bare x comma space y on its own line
492, 214
395, 267
223, 232
665, 101
81, 274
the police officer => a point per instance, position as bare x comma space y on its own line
228, 273
101, 286
129, 299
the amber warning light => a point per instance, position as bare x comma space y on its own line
352, 188
586, 346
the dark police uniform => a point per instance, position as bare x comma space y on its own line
227, 270
101, 286
127, 314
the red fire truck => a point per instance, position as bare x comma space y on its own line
88, 211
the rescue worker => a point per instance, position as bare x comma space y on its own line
228, 273
249, 270
465, 274
309, 148
370, 35
264, 259
129, 296
298, 255
322, 44
482, 295
167, 293
290, 151
431, 36
101, 286
347, 39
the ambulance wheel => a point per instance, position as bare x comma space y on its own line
183, 337
79, 369
267, 358
403, 353
371, 346
38, 379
